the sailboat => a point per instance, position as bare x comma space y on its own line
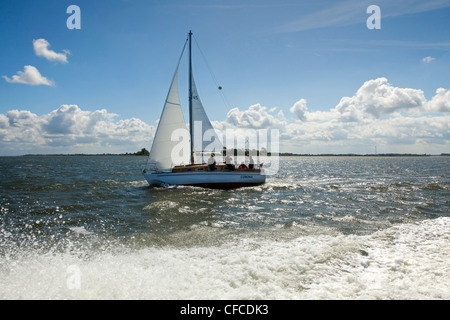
168, 166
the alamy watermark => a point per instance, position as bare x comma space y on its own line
374, 21
261, 144
74, 20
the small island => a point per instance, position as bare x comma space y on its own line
143, 152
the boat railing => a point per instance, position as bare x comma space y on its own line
220, 167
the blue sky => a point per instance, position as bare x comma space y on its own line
311, 69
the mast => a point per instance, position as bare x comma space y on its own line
191, 124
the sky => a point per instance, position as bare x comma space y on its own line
331, 76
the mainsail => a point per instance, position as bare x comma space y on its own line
205, 137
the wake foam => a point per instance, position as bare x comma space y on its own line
409, 261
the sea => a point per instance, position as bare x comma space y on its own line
322, 228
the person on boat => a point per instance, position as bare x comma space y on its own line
251, 163
212, 162
243, 165
229, 162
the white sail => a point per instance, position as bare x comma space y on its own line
171, 120
205, 137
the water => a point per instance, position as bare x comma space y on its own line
89, 227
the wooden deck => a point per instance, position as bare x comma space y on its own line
204, 167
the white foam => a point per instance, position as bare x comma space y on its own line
80, 230
403, 262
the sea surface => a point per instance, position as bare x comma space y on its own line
89, 227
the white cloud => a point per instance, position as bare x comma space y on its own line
31, 76
393, 118
397, 134
378, 97
256, 117
440, 102
428, 59
41, 48
17, 127
299, 109
375, 98
70, 129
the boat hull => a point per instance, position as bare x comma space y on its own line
214, 180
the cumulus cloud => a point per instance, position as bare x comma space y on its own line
30, 76
398, 119
440, 102
379, 113
256, 117
299, 109
20, 127
393, 118
70, 129
378, 97
41, 49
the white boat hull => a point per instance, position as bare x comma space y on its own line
208, 179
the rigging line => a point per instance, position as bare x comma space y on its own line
225, 100
182, 51
183, 108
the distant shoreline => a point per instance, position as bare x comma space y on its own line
281, 155
365, 155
